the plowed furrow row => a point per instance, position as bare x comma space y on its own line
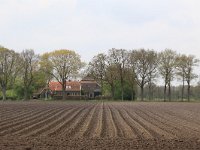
39, 124
17, 110
60, 129
119, 132
94, 128
170, 124
154, 125
103, 127
27, 122
185, 114
143, 123
77, 124
137, 128
86, 124
112, 129
161, 123
12, 112
22, 120
6, 113
14, 115
109, 129
123, 127
180, 124
52, 125
28, 115
188, 117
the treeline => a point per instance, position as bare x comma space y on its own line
23, 73
122, 74
136, 73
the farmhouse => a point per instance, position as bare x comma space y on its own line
90, 88
72, 88
87, 88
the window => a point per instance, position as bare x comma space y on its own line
68, 87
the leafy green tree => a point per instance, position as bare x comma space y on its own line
46, 68
29, 67
39, 80
97, 68
127, 90
8, 70
18, 88
62, 64
131, 82
111, 77
120, 57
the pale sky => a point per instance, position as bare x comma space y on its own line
93, 26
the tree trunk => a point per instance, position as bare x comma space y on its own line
169, 91
101, 88
63, 88
150, 92
113, 91
4, 93
165, 91
122, 88
63, 92
46, 95
188, 91
26, 93
142, 92
183, 88
133, 93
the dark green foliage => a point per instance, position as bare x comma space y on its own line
39, 80
19, 90
127, 91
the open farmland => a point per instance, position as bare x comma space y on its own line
99, 125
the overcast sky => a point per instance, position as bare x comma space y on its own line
93, 26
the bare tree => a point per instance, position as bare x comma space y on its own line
8, 58
97, 68
131, 81
120, 57
191, 61
29, 66
111, 74
143, 64
153, 70
167, 69
181, 61
104, 69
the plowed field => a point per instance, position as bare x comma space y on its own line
99, 125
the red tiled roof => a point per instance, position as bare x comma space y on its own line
70, 86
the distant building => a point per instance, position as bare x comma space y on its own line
87, 87
73, 88
90, 88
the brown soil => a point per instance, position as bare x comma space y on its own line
99, 125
